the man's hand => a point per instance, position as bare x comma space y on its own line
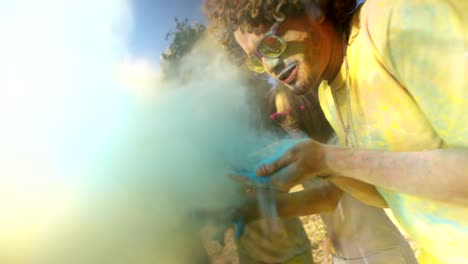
300, 162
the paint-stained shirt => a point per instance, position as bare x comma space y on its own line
408, 92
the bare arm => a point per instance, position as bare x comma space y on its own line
436, 174
439, 174
362, 191
317, 199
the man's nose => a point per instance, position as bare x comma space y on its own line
273, 66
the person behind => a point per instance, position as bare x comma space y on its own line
390, 76
359, 233
288, 244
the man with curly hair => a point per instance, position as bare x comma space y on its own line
391, 81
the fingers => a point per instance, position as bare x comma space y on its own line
287, 177
288, 158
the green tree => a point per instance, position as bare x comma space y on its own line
183, 37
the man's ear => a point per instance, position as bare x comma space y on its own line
314, 11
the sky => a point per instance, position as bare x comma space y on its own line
57, 72
152, 19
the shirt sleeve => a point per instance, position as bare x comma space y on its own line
426, 42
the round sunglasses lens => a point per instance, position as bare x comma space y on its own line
254, 64
272, 46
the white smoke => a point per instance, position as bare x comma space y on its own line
89, 173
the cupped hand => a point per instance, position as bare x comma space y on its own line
302, 161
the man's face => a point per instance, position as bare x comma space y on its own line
302, 65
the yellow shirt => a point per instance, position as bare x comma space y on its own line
408, 92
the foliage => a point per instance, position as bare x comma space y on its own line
183, 38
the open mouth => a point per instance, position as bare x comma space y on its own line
288, 74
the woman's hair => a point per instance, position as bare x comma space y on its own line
253, 15
306, 112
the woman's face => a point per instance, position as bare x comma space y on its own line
304, 62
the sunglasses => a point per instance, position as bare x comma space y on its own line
270, 46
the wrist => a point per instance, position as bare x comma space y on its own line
329, 159
328, 154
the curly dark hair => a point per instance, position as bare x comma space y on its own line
225, 16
